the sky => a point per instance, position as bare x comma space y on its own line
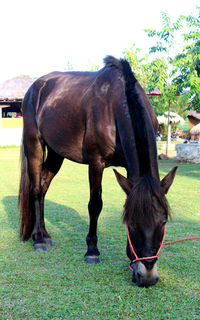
40, 36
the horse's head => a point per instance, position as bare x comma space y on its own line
145, 214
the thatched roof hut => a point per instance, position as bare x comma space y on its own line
15, 88
194, 118
173, 118
194, 114
12, 93
195, 129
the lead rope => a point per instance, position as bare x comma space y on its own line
156, 256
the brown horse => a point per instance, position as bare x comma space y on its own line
102, 119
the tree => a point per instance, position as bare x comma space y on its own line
153, 75
150, 74
185, 66
138, 64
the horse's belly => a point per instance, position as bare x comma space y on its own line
70, 152
64, 142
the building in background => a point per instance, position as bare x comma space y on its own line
194, 118
11, 95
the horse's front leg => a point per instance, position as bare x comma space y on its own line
94, 207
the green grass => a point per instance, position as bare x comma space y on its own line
58, 284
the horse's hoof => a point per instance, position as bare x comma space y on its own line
92, 259
48, 242
40, 246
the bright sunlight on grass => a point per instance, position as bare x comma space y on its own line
57, 284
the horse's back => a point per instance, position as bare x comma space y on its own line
75, 112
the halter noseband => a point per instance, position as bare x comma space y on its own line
135, 254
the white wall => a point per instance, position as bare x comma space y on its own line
10, 136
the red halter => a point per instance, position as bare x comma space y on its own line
143, 258
152, 257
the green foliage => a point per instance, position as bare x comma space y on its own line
58, 285
94, 67
158, 77
138, 64
151, 74
185, 65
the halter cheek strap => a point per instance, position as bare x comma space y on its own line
135, 254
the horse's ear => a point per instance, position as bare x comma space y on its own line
124, 183
166, 182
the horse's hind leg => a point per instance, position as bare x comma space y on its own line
94, 207
50, 168
41, 175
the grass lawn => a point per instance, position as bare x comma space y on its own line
57, 284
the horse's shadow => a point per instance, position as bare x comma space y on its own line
63, 223
68, 230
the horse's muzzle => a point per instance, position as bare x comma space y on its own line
143, 277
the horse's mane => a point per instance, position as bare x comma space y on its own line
140, 117
111, 61
146, 185
138, 206
145, 139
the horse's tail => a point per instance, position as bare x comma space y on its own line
25, 203
26, 199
